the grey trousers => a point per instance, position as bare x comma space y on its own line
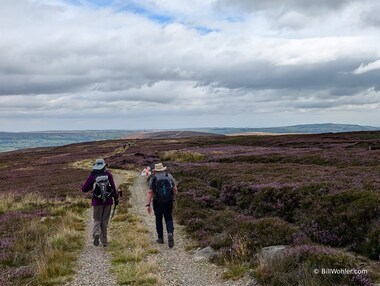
101, 218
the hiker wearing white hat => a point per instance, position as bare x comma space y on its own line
162, 191
104, 194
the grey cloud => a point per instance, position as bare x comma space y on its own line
370, 16
368, 97
306, 6
298, 15
34, 84
262, 75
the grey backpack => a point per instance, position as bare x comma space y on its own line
102, 187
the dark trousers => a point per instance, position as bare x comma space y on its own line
163, 210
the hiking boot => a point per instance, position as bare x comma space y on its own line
170, 240
160, 240
96, 240
105, 244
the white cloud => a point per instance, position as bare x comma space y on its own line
173, 59
368, 67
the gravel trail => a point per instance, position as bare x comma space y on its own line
94, 262
176, 265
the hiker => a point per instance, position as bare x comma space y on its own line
101, 183
162, 189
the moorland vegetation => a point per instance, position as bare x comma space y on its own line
318, 195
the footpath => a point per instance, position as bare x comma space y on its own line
176, 266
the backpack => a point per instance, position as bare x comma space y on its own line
162, 189
102, 187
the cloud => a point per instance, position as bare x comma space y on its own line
368, 67
369, 15
182, 60
304, 6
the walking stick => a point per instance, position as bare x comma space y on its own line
114, 208
113, 212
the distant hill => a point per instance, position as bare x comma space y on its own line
302, 129
169, 134
21, 140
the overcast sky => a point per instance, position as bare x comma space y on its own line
113, 64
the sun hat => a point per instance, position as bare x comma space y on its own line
99, 164
159, 167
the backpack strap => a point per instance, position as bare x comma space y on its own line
154, 183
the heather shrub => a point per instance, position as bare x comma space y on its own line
184, 214
187, 201
246, 236
268, 231
207, 226
342, 219
195, 199
221, 240
216, 183
304, 265
187, 182
228, 194
281, 202
370, 246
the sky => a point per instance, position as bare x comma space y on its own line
170, 64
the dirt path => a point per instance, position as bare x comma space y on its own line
176, 265
94, 262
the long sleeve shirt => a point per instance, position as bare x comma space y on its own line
88, 186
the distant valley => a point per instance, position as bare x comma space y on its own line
21, 140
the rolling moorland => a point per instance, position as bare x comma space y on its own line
317, 194
21, 140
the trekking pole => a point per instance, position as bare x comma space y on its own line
114, 208
113, 212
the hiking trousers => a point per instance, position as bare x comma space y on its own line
101, 218
163, 210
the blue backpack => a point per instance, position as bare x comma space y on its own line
162, 189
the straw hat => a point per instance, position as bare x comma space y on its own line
159, 167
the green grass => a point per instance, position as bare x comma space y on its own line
131, 249
56, 263
48, 247
182, 156
235, 271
